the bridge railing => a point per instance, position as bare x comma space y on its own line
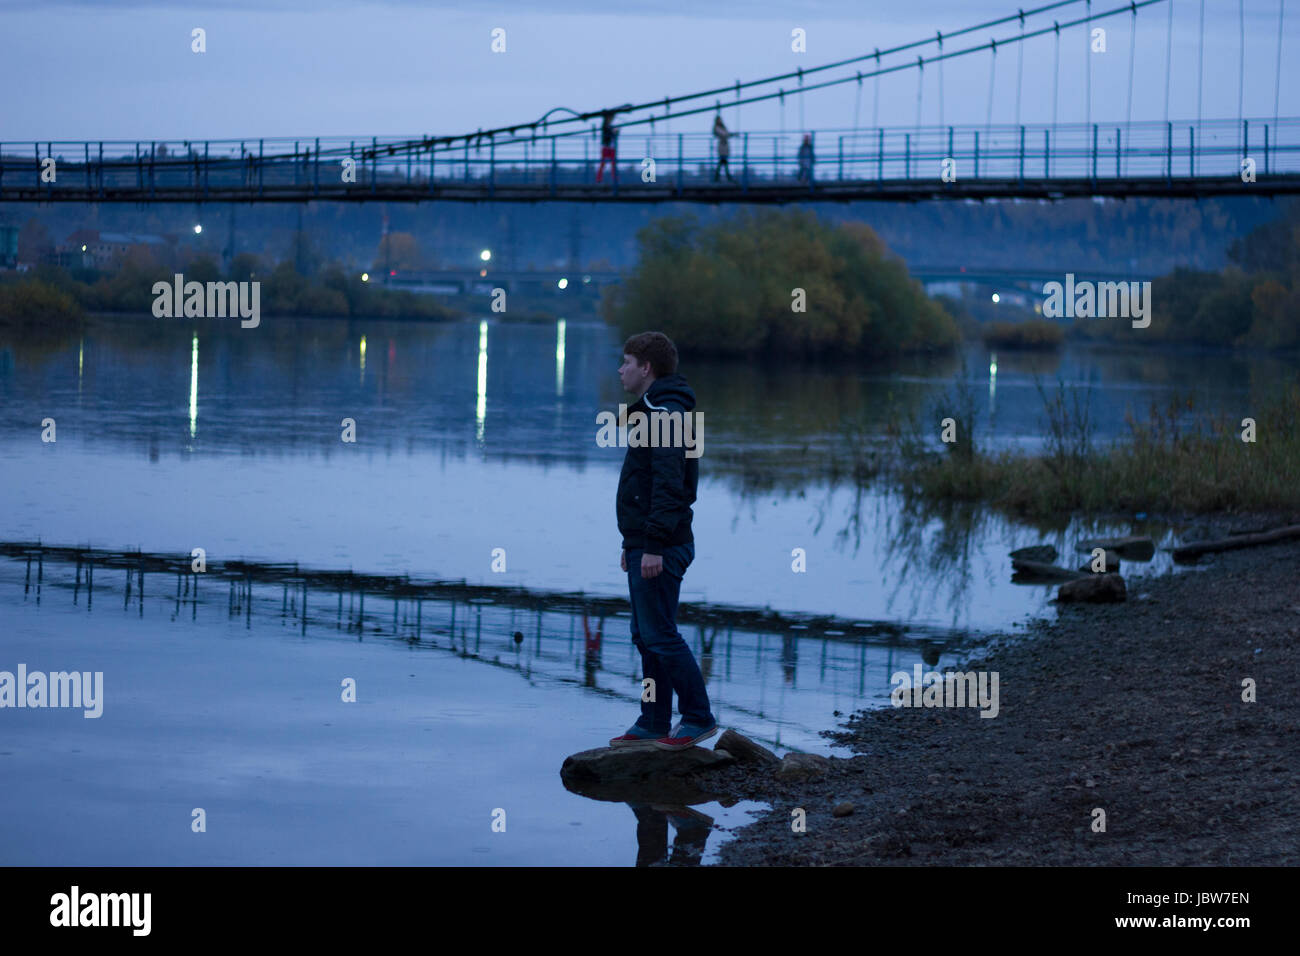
300, 167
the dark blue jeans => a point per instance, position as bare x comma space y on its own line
665, 658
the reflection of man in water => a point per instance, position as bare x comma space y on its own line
692, 827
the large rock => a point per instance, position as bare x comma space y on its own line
1043, 553
802, 766
1096, 588
1135, 548
608, 765
745, 750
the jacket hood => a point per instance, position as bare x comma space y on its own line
670, 392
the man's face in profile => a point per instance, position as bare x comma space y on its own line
635, 378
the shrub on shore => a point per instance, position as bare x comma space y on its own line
1161, 466
284, 291
729, 289
33, 304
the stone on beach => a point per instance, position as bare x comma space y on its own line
1095, 588
608, 765
801, 766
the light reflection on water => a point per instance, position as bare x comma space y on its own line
455, 455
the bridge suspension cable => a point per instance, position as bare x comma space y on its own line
449, 142
780, 94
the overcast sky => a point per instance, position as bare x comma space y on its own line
123, 70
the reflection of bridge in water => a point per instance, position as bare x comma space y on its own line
559, 636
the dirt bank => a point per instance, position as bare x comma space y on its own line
1134, 708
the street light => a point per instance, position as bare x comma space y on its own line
563, 283
365, 277
996, 297
485, 255
197, 229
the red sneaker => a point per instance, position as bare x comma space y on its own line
685, 736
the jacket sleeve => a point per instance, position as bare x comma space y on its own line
667, 496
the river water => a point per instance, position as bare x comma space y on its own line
475, 460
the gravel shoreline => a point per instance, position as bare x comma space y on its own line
1134, 708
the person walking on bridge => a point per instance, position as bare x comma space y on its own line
724, 147
806, 159
656, 489
608, 146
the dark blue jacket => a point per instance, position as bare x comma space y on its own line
657, 485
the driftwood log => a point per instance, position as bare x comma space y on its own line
1195, 549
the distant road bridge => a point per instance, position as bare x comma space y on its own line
571, 282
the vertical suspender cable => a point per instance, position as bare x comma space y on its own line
1132, 47
1087, 70
1020, 65
875, 104
1056, 77
1200, 67
1241, 68
940, 37
993, 75
1169, 56
1277, 86
857, 104
803, 127
857, 107
920, 87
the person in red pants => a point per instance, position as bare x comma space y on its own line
608, 142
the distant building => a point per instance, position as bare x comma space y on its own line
89, 249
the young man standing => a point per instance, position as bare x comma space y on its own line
655, 492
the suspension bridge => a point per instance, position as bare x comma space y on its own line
558, 158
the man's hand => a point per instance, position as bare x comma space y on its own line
651, 565
622, 559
